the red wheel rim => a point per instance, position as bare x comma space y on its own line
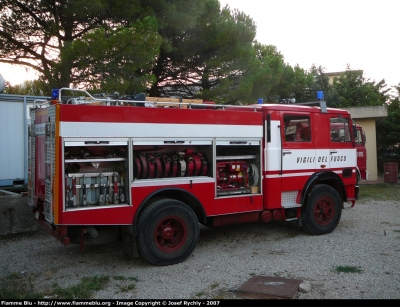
324, 211
170, 234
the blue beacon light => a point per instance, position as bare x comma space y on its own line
54, 95
320, 96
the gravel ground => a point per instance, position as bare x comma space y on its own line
367, 237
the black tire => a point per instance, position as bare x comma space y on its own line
168, 232
323, 210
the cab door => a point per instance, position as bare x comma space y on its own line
343, 155
299, 159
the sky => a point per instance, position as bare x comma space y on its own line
331, 34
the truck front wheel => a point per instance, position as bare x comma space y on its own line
168, 232
322, 211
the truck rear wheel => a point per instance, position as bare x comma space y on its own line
323, 210
168, 232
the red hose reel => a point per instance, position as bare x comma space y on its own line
176, 164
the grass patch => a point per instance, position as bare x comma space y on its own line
380, 191
84, 289
20, 286
348, 269
119, 278
125, 287
214, 285
17, 286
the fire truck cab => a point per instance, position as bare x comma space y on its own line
153, 171
339, 133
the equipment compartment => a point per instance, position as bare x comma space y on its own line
167, 161
238, 168
95, 174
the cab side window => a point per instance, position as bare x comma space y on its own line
340, 129
297, 128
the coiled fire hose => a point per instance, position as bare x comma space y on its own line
151, 163
166, 165
138, 170
174, 169
253, 175
143, 163
203, 164
182, 163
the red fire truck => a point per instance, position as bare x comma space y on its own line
151, 171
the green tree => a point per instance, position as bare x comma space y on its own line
207, 60
30, 87
264, 73
321, 83
186, 48
111, 59
216, 59
388, 133
44, 35
295, 83
353, 90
